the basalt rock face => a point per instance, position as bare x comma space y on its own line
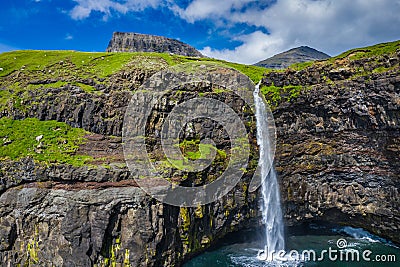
55, 214
135, 42
48, 225
339, 141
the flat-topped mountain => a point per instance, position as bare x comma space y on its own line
292, 56
136, 42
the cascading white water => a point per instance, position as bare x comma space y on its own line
271, 207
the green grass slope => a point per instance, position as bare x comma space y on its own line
45, 141
373, 51
99, 64
27, 73
24, 71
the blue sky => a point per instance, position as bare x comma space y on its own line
243, 31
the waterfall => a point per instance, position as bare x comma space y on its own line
271, 207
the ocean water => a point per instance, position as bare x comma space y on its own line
341, 246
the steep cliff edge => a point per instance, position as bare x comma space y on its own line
136, 42
84, 209
337, 155
338, 125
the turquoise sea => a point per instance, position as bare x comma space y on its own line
332, 245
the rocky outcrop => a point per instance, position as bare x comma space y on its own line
338, 143
95, 215
48, 224
292, 56
136, 42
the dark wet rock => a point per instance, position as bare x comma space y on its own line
338, 142
63, 215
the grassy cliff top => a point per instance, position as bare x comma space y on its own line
28, 78
374, 51
370, 51
360, 63
24, 74
101, 64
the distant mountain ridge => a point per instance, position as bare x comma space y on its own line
294, 55
137, 42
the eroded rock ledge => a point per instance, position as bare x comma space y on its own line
95, 215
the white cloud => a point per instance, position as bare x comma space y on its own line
331, 26
255, 46
205, 9
69, 37
84, 8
